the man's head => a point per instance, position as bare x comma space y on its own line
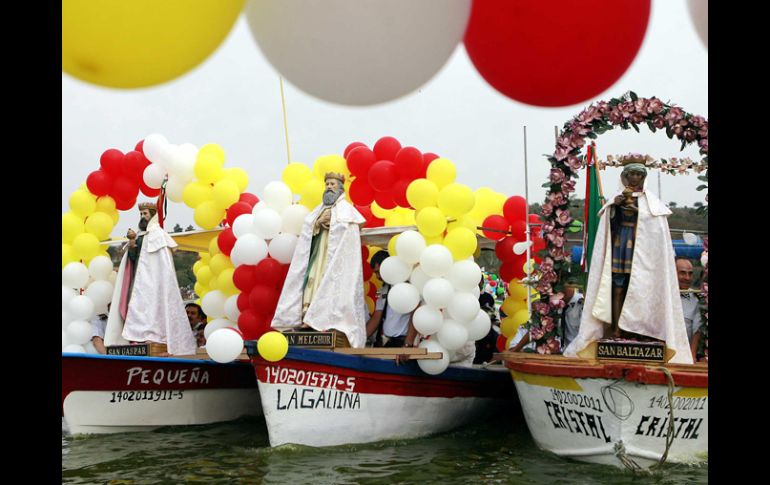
377, 260
194, 314
146, 212
335, 187
570, 288
684, 273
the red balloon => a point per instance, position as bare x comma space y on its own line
134, 163
537, 246
535, 231
383, 175
364, 253
515, 208
426, 159
518, 230
99, 182
493, 283
253, 325
123, 189
372, 293
384, 200
149, 192
226, 240
386, 148
249, 198
496, 222
360, 160
245, 278
504, 248
243, 299
237, 209
371, 219
511, 270
350, 147
408, 163
263, 299
523, 48
500, 343
125, 205
112, 161
269, 272
367, 271
140, 147
399, 193
361, 193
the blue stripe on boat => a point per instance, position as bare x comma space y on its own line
165, 360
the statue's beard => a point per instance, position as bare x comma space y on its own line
142, 224
330, 196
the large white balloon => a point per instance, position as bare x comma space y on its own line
418, 278
463, 307
154, 147
267, 223
395, 270
452, 335
78, 332
100, 292
232, 312
216, 324
153, 175
479, 327
358, 53
293, 217
248, 249
277, 196
66, 318
224, 345
175, 188
403, 297
100, 268
183, 167
243, 224
699, 13
465, 275
427, 320
438, 292
282, 246
74, 275
409, 246
437, 366
81, 308
213, 304
436, 260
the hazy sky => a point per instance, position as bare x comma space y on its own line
233, 99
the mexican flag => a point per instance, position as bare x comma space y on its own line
594, 201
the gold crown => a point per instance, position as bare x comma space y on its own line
336, 176
633, 158
148, 205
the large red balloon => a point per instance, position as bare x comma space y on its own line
519, 230
226, 241
263, 299
112, 161
399, 192
148, 191
426, 159
245, 278
253, 325
515, 208
499, 223
500, 343
134, 163
385, 200
125, 204
124, 190
269, 272
243, 298
504, 248
360, 160
367, 271
513, 269
525, 48
386, 148
361, 193
371, 219
99, 182
350, 147
237, 209
408, 163
249, 198
383, 175
364, 253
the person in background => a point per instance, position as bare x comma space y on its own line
690, 303
98, 326
397, 328
572, 312
198, 322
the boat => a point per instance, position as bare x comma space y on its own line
120, 393
343, 396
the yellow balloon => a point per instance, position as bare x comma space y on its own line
100, 225
105, 204
213, 248
208, 170
369, 304
430, 221
392, 245
461, 242
516, 291
195, 193
379, 211
438, 239
197, 267
463, 221
408, 216
208, 215
199, 289
213, 284
273, 346
66, 255
225, 193
312, 193
204, 275
71, 226
82, 203
205, 257
442, 172
508, 327
372, 251
85, 246
225, 282
454, 200
422, 193
330, 163
296, 175
141, 43
219, 263
394, 219
239, 176
520, 316
512, 305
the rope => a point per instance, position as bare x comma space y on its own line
285, 125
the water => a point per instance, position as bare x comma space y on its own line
239, 453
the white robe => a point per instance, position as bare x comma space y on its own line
337, 303
155, 311
652, 305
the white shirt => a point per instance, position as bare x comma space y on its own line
520, 333
98, 326
692, 320
395, 324
572, 314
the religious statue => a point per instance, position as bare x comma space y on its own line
324, 286
632, 289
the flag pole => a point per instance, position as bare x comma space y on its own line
526, 212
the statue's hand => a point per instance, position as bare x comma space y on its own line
618, 200
131, 234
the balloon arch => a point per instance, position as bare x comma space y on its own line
626, 112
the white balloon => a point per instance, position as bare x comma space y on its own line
100, 268
100, 292
409, 246
704, 258
479, 327
224, 345
690, 238
436, 260
358, 53
66, 318
267, 223
248, 249
452, 335
213, 304
465, 275
418, 278
463, 307
403, 297
81, 308
699, 13
281, 248
67, 294
154, 147
475, 291
113, 277
521, 247
184, 166
232, 312
277, 196
243, 224
437, 366
261, 205
74, 348
293, 217
175, 188
427, 320
216, 325
74, 275
395, 270
438, 292
79, 332
153, 175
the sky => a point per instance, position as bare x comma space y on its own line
233, 99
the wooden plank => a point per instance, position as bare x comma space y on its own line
383, 351
428, 356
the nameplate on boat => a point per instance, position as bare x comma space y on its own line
318, 340
625, 350
137, 350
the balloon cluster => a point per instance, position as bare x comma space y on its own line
85, 292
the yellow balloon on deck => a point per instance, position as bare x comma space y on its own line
512, 305
422, 193
379, 211
71, 226
431, 221
273, 346
225, 282
225, 193
213, 248
237, 175
520, 316
312, 193
195, 193
100, 225
200, 289
442, 172
463, 221
372, 251
105, 204
330, 163
517, 291
204, 275
85, 246
197, 267
66, 255
208, 215
139, 43
392, 245
82, 203
205, 257
369, 304
455, 200
219, 263
461, 242
296, 175
508, 327
208, 170
437, 239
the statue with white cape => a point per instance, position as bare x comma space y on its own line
324, 287
632, 286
